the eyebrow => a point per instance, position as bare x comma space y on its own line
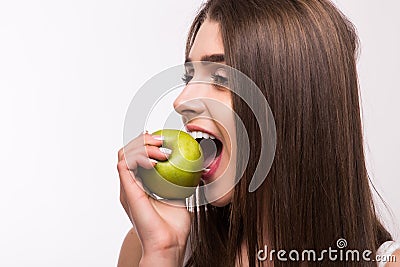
210, 58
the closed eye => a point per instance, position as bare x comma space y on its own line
219, 80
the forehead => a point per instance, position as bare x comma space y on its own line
208, 41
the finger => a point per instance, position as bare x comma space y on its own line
139, 142
122, 198
153, 152
144, 139
140, 209
131, 218
120, 154
153, 140
158, 153
125, 204
134, 160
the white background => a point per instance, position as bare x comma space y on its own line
68, 70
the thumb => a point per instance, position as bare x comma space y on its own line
140, 209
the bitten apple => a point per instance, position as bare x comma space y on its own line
177, 177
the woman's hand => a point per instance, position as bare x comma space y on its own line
163, 229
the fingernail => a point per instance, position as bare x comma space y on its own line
153, 161
159, 137
165, 150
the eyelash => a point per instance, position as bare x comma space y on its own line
186, 78
218, 79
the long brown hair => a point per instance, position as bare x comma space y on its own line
302, 55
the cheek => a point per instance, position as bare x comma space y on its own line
229, 133
226, 97
224, 113
220, 97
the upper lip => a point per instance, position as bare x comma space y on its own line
192, 128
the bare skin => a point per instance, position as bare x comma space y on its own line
131, 250
163, 241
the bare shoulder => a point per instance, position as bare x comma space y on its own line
131, 250
396, 260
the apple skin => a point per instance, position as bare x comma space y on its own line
177, 177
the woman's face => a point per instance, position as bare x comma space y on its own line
206, 109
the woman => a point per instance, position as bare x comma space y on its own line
301, 54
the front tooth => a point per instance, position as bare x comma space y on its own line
197, 134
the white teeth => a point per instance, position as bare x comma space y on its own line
198, 134
206, 170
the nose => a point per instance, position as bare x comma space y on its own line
189, 103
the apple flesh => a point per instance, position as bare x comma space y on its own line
177, 177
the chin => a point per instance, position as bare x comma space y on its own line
224, 200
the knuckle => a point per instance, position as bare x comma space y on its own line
146, 139
121, 165
148, 149
153, 150
121, 154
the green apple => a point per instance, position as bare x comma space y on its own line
177, 177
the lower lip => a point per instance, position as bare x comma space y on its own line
213, 168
